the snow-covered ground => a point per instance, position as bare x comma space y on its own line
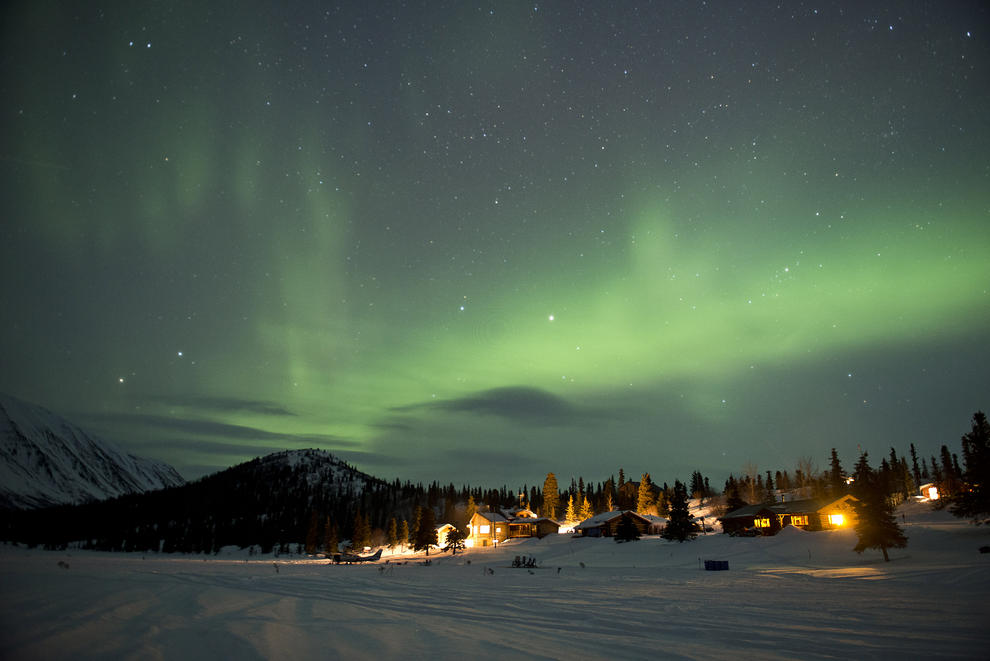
798, 595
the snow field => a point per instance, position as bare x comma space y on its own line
799, 595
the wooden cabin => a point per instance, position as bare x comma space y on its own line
492, 528
605, 524
487, 529
807, 514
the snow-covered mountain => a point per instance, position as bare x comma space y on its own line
46, 460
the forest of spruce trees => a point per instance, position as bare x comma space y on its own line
310, 501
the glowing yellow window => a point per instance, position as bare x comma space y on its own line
836, 519
761, 523
799, 519
485, 530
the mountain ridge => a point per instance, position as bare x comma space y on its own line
47, 460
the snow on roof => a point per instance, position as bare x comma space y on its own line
787, 507
652, 518
605, 517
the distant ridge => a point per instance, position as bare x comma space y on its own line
46, 460
292, 497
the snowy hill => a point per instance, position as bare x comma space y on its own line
270, 502
46, 460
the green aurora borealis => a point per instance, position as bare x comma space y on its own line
477, 243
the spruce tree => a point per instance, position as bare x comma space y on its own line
645, 502
404, 532
626, 531
973, 500
914, 467
414, 528
392, 533
733, 500
313, 533
551, 497
680, 524
569, 513
455, 541
586, 511
472, 508
862, 473
426, 533
330, 537
876, 526
361, 536
836, 476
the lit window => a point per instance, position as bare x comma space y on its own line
836, 519
761, 523
932, 493
498, 529
799, 519
485, 530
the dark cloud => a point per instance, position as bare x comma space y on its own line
197, 428
519, 403
223, 404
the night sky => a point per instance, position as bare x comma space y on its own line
475, 243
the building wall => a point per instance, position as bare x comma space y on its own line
486, 533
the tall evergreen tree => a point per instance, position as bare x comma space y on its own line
313, 533
626, 531
836, 476
680, 523
551, 497
362, 531
950, 477
472, 508
914, 466
392, 533
414, 528
330, 537
733, 500
404, 532
876, 526
973, 501
697, 485
455, 541
663, 500
645, 503
769, 495
426, 533
586, 511
569, 513
862, 473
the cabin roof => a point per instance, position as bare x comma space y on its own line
494, 517
605, 517
803, 506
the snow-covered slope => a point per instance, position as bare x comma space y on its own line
46, 460
798, 595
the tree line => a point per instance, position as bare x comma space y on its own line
315, 502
